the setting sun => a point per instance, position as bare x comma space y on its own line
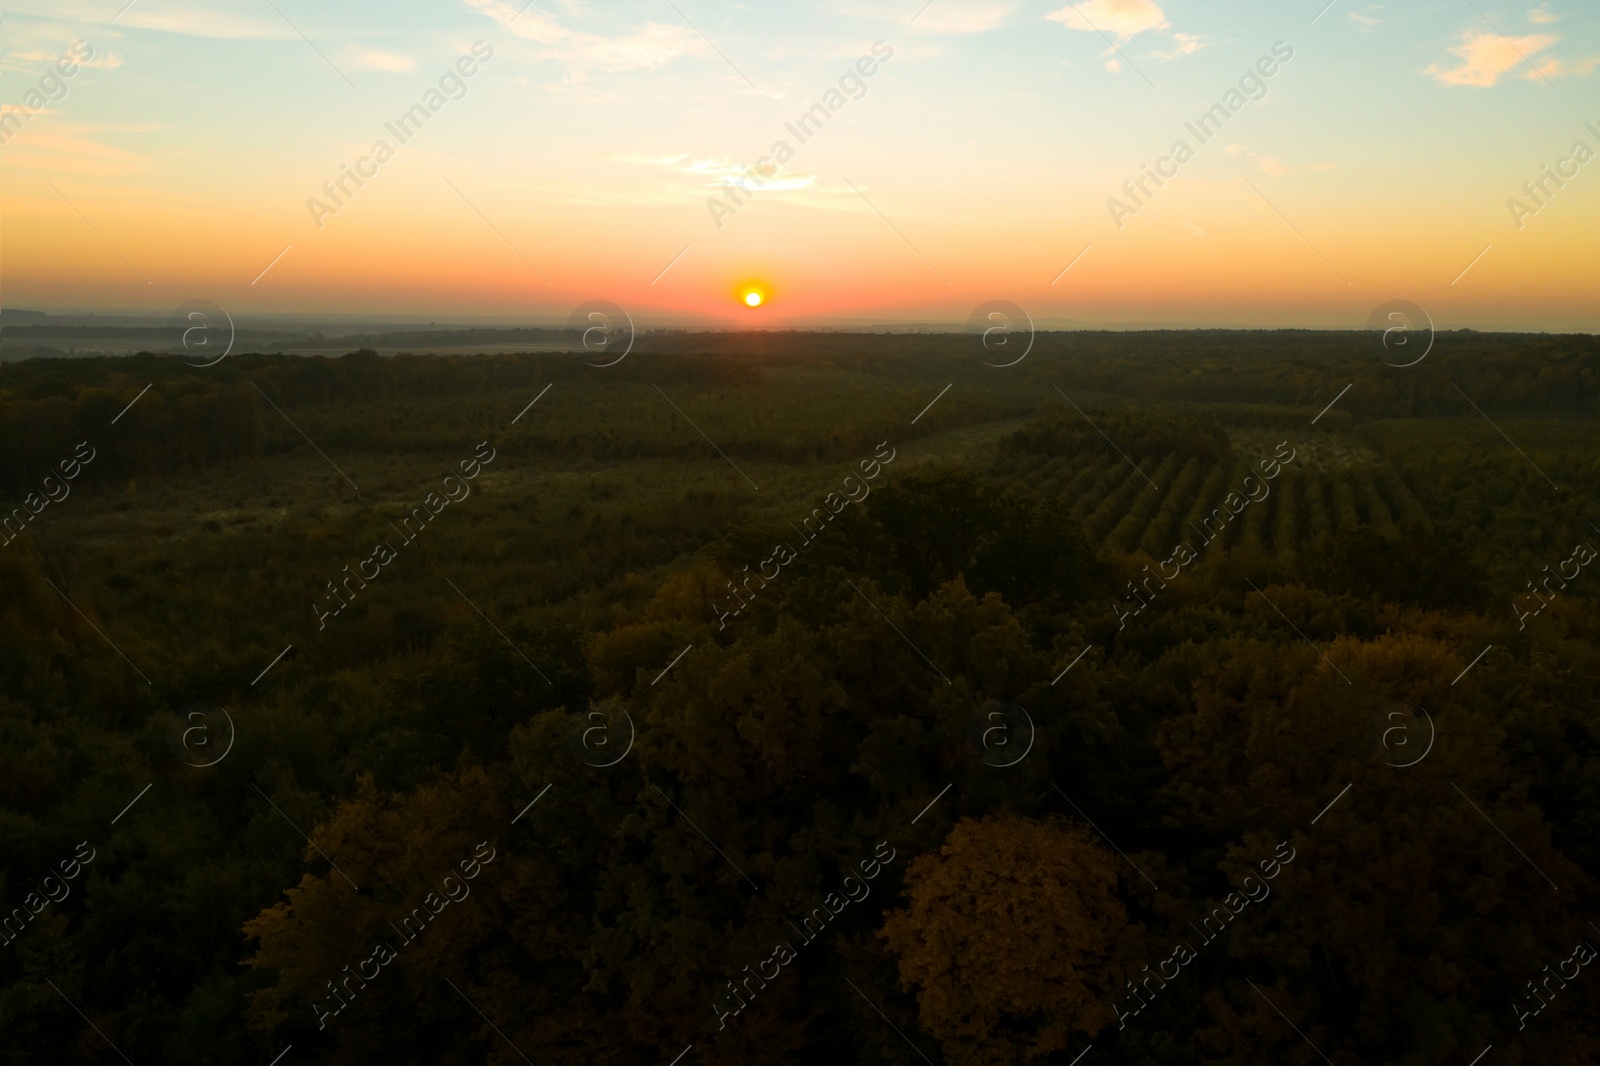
752, 299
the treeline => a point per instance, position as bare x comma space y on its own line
194, 418
215, 415
1283, 368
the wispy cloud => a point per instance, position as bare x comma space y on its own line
1277, 168
106, 60
714, 172
1119, 21
646, 47
1487, 55
1183, 44
1552, 67
941, 17
1120, 18
648, 160
1272, 166
202, 20
60, 148
961, 18
383, 62
191, 18
1542, 16
1366, 21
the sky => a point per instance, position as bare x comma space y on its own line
959, 151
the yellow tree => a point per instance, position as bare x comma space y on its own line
1009, 938
423, 888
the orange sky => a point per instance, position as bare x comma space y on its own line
980, 157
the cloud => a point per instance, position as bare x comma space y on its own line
211, 24
680, 180
714, 172
192, 18
946, 16
106, 60
1486, 56
646, 47
1121, 18
61, 148
1183, 44
648, 160
1277, 168
651, 46
1540, 16
1272, 166
1555, 68
1367, 22
384, 62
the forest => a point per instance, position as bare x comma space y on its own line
1213, 697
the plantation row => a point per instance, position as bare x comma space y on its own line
1168, 499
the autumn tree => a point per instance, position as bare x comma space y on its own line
1009, 938
1410, 921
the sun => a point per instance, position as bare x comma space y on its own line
751, 290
